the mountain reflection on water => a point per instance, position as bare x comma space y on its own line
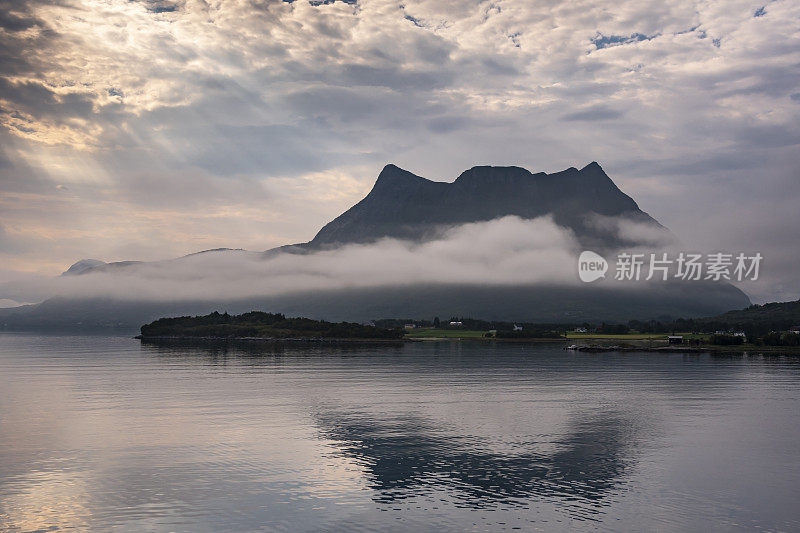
409, 457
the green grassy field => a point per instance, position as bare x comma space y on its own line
444, 333
644, 340
632, 336
628, 336
421, 333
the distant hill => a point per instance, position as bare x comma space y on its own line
766, 324
533, 304
775, 316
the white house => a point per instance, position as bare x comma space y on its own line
517, 328
456, 323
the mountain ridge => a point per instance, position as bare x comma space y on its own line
404, 205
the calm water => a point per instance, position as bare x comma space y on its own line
107, 434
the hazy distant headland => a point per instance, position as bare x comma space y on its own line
498, 243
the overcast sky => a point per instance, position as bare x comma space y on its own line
148, 130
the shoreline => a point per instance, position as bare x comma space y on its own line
309, 340
742, 349
705, 348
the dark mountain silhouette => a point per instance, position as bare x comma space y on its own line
406, 206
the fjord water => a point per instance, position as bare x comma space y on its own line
105, 433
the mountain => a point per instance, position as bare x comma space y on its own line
406, 206
544, 304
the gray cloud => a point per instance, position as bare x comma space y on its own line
39, 101
15, 22
598, 112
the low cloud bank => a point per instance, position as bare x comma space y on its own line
501, 252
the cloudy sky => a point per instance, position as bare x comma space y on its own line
151, 129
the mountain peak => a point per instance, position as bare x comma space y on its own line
390, 168
82, 266
593, 168
392, 173
406, 206
393, 179
594, 172
594, 165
